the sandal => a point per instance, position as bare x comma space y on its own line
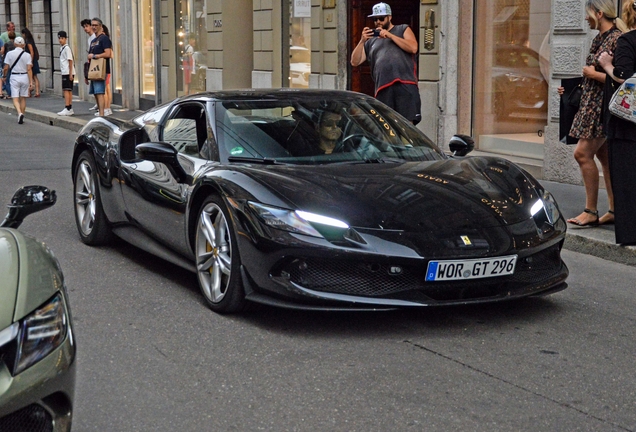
607, 222
575, 221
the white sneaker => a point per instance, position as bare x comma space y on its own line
97, 114
93, 108
66, 112
108, 112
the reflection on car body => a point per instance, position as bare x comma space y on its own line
261, 214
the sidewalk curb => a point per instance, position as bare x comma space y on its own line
46, 117
602, 249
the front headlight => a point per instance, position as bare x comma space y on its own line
545, 209
40, 333
296, 220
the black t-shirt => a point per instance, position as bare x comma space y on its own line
624, 67
99, 45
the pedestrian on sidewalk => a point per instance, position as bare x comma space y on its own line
587, 127
7, 47
18, 61
35, 57
67, 69
10, 28
621, 133
86, 25
100, 48
392, 51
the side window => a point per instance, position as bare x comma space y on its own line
182, 134
186, 129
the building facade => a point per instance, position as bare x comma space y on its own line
487, 68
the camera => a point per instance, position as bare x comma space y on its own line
376, 32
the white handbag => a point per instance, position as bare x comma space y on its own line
623, 102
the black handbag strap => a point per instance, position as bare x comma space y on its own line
16, 60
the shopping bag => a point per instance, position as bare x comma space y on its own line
97, 69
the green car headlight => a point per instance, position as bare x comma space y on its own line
40, 333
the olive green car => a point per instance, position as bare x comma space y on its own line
37, 346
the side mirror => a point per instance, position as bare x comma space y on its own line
163, 153
461, 145
27, 200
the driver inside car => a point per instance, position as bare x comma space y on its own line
322, 138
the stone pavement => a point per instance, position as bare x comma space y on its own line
598, 241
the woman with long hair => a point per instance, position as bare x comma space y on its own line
621, 134
35, 57
588, 124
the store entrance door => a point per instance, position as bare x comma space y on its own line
404, 12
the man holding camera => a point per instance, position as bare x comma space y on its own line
392, 53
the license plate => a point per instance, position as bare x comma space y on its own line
471, 269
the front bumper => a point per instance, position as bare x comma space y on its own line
329, 284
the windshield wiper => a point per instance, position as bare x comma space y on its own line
266, 161
372, 161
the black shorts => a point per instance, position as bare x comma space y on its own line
404, 98
67, 84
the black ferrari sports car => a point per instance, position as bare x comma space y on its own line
315, 199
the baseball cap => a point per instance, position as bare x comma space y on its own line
381, 9
19, 40
62, 33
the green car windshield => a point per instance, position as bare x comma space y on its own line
318, 132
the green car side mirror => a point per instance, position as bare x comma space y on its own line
27, 200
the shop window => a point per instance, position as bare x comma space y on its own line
147, 48
511, 52
191, 46
299, 51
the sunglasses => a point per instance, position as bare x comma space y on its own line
379, 18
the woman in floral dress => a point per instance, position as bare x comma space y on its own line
588, 122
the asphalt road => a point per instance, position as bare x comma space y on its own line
152, 357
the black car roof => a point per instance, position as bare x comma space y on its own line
277, 94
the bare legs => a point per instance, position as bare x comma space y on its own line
584, 154
37, 85
101, 101
20, 104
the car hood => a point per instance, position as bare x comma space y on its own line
30, 275
475, 192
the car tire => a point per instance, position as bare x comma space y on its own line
217, 258
90, 218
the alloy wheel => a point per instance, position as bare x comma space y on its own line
85, 198
213, 253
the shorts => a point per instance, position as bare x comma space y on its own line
67, 84
19, 85
403, 98
97, 87
35, 69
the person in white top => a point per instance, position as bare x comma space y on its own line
67, 70
20, 63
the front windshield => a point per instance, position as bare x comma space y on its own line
319, 131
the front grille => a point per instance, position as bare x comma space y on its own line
353, 278
32, 418
408, 282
